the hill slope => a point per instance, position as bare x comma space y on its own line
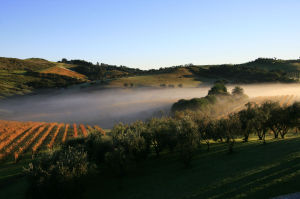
179, 77
60, 70
18, 77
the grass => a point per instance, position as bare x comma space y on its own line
60, 70
180, 76
254, 170
14, 80
13, 184
14, 83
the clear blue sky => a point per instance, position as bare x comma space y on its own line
150, 33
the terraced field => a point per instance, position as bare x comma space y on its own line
17, 138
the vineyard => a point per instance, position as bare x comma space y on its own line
17, 138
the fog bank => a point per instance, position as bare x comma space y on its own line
105, 107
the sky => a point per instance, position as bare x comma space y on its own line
150, 33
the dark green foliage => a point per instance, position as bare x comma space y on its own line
58, 174
218, 89
96, 146
118, 161
279, 121
257, 71
238, 91
208, 104
129, 144
186, 130
157, 135
247, 117
231, 127
294, 114
206, 130
194, 104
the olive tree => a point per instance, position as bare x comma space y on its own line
186, 130
232, 128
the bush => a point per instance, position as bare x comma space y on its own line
58, 174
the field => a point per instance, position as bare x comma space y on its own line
253, 171
59, 69
181, 77
17, 138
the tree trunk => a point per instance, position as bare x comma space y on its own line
246, 137
208, 145
230, 146
264, 138
156, 148
259, 134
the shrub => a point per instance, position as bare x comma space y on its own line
58, 174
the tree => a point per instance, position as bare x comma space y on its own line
186, 130
294, 113
58, 174
232, 128
238, 91
218, 89
64, 60
129, 139
278, 121
156, 134
246, 118
206, 129
260, 121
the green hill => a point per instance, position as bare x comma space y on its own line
21, 76
27, 64
18, 77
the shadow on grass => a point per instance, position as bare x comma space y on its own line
254, 170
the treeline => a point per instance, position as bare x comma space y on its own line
259, 70
62, 172
102, 71
242, 74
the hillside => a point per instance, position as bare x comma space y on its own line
18, 77
179, 77
28, 64
60, 70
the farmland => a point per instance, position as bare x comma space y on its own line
17, 138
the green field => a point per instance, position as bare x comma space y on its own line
181, 77
254, 170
